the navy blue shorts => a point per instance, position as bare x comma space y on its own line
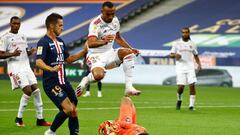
57, 93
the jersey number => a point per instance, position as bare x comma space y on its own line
56, 90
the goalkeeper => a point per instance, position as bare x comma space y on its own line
126, 124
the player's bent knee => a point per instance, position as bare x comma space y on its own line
27, 90
68, 110
98, 77
98, 74
74, 112
123, 52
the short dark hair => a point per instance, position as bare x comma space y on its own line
14, 18
186, 28
107, 4
52, 19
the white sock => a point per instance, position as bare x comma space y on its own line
179, 97
192, 100
38, 103
86, 80
128, 65
90, 78
23, 103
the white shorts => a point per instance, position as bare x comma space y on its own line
184, 78
22, 79
106, 60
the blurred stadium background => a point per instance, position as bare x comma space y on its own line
151, 26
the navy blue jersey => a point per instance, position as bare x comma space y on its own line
53, 53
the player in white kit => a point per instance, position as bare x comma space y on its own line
14, 48
183, 51
103, 31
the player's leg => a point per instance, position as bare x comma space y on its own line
37, 99
181, 81
99, 84
87, 94
73, 123
60, 99
127, 111
97, 72
191, 81
127, 58
192, 96
20, 79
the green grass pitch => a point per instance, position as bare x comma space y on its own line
217, 111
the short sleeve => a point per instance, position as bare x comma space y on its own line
41, 50
118, 25
93, 30
174, 48
3, 44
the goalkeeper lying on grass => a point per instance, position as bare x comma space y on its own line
126, 124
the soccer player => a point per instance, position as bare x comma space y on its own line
86, 72
103, 31
126, 124
51, 57
183, 51
14, 48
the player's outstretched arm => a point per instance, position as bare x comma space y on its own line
40, 63
93, 42
4, 55
198, 62
122, 42
77, 56
175, 55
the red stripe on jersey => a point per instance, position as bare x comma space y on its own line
60, 72
97, 21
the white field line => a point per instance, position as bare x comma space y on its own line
117, 102
116, 108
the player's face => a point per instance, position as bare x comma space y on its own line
108, 14
15, 25
185, 34
58, 27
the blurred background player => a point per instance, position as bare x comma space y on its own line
51, 57
103, 31
126, 124
14, 48
183, 51
86, 68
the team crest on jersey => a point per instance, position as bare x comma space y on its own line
94, 27
60, 94
39, 50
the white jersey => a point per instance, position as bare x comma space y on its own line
9, 42
186, 50
98, 28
